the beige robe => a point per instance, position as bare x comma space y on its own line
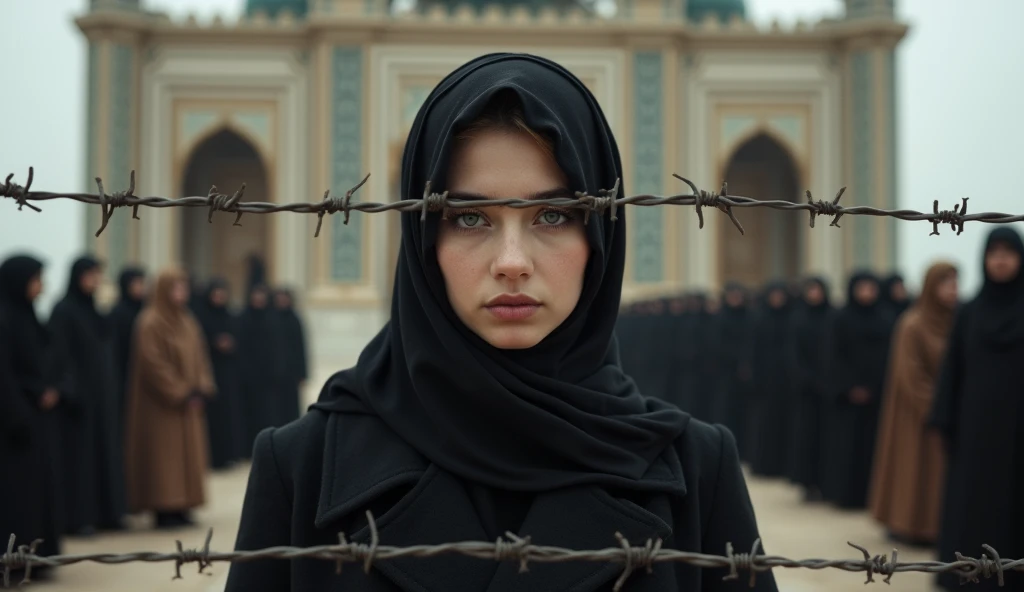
910, 462
166, 440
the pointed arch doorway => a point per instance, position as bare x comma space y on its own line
770, 248
219, 249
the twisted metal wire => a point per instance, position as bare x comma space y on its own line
523, 551
605, 200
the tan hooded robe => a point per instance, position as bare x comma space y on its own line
910, 464
166, 441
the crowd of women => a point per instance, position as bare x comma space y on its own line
910, 409
105, 414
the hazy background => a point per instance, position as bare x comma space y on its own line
961, 79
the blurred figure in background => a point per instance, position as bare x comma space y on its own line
734, 333
121, 319
894, 295
979, 408
224, 413
170, 382
259, 363
84, 365
28, 398
769, 411
807, 346
858, 354
910, 464
292, 346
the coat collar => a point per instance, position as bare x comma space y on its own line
437, 509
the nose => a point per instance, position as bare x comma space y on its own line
513, 259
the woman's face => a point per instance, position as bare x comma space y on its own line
865, 292
813, 294
947, 291
1002, 263
258, 299
512, 275
219, 296
179, 293
34, 287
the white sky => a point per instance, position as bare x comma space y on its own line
961, 79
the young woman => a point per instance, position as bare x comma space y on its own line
979, 409
910, 464
29, 401
170, 379
493, 400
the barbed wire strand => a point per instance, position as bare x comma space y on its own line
522, 550
440, 202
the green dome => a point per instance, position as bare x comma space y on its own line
697, 10
298, 8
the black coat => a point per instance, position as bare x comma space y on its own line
303, 491
807, 360
83, 359
770, 415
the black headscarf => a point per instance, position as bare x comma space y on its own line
887, 285
821, 283
86, 302
15, 274
557, 414
1001, 314
874, 320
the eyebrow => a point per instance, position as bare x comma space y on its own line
539, 195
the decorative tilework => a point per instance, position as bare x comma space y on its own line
648, 239
790, 127
119, 157
256, 123
412, 100
862, 109
346, 159
891, 156
90, 141
736, 126
194, 124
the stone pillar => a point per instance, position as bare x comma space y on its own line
870, 81
112, 91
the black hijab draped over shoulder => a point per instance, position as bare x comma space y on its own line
558, 414
1001, 314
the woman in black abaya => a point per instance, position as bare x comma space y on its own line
121, 318
292, 346
224, 419
858, 351
979, 408
809, 326
28, 403
770, 412
894, 295
735, 360
493, 400
259, 363
83, 359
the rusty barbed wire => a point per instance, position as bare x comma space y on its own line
522, 550
440, 202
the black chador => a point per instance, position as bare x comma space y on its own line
979, 407
807, 358
225, 421
293, 367
735, 363
858, 355
28, 429
894, 295
769, 411
84, 362
259, 359
445, 437
668, 350
122, 320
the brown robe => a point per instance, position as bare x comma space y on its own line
166, 440
910, 463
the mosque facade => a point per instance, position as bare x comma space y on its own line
300, 96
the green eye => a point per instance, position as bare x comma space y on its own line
552, 218
469, 220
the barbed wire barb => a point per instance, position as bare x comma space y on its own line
605, 200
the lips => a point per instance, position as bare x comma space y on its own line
512, 307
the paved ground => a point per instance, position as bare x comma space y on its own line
791, 528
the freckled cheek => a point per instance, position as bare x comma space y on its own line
565, 267
463, 269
